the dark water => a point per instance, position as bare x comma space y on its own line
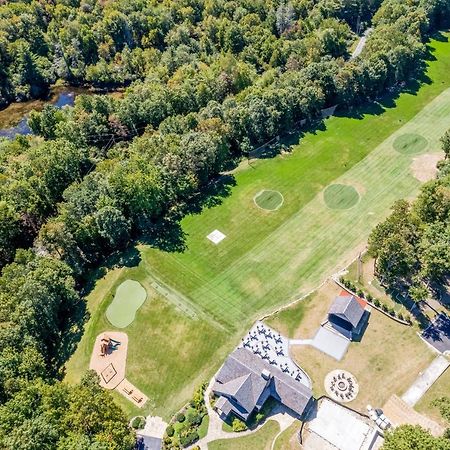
14, 119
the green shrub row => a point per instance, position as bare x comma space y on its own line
375, 301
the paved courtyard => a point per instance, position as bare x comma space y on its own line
438, 333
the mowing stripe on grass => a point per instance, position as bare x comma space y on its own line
310, 245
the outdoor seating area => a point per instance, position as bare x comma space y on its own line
273, 347
341, 386
132, 393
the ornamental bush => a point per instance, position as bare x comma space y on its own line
238, 425
138, 423
170, 431
181, 417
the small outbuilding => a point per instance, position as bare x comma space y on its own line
348, 315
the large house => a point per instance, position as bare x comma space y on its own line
246, 381
348, 315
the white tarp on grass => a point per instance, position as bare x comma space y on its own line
216, 236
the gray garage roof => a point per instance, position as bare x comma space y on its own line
245, 381
347, 308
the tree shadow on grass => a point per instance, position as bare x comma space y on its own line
168, 234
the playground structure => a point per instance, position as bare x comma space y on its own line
109, 358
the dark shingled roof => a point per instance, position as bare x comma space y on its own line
243, 387
347, 308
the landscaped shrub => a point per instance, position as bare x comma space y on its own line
384, 307
392, 311
408, 319
170, 431
376, 302
181, 417
360, 293
138, 423
369, 297
400, 316
238, 425
193, 417
189, 438
259, 417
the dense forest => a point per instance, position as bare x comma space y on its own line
207, 82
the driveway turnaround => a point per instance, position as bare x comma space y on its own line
331, 343
438, 333
425, 380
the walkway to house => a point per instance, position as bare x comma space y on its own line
425, 380
215, 431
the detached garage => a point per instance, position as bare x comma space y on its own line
348, 315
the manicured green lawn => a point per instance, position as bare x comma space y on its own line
261, 440
212, 293
268, 258
167, 350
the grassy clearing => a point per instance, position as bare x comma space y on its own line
267, 258
261, 440
386, 361
439, 389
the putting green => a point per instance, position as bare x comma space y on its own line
340, 196
268, 200
130, 296
410, 143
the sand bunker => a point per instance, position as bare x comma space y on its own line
424, 168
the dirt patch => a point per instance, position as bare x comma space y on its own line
424, 168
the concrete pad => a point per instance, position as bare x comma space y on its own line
153, 433
340, 427
331, 343
111, 367
216, 236
425, 380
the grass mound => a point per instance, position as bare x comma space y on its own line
410, 144
340, 196
130, 296
269, 200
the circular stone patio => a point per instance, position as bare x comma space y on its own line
340, 196
410, 144
341, 386
268, 200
